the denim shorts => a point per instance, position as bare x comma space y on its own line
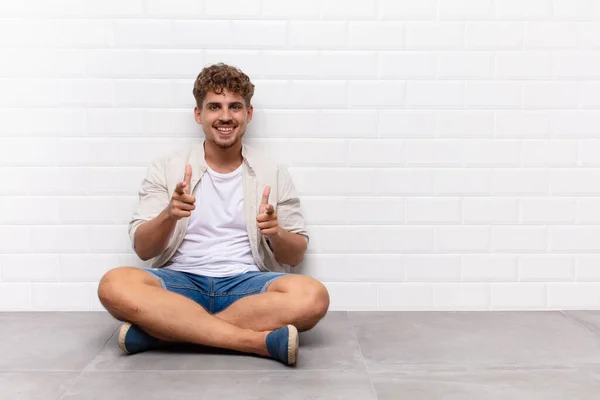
214, 294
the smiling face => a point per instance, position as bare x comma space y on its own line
223, 118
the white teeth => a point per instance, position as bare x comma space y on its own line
225, 129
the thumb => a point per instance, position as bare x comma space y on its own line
265, 196
188, 177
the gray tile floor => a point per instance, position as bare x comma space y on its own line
355, 355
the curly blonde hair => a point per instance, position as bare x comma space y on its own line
219, 77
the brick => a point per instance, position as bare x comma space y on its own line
377, 94
202, 34
292, 10
546, 268
519, 65
586, 268
259, 34
437, 94
490, 210
352, 296
489, 267
405, 296
518, 10
489, 94
494, 36
551, 35
354, 268
435, 36
29, 268
519, 239
466, 65
349, 65
464, 123
492, 153
547, 211
376, 35
576, 10
28, 210
322, 210
406, 123
375, 210
407, 65
568, 182
550, 153
352, 9
462, 296
15, 296
456, 239
574, 296
434, 153
60, 296
333, 181
404, 181
317, 34
518, 296
143, 33
433, 210
520, 182
290, 63
461, 181
174, 8
559, 95
233, 8
294, 153
465, 10
574, 239
430, 268
523, 124
369, 152
587, 211
409, 239
407, 10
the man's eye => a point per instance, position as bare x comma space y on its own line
237, 107
213, 107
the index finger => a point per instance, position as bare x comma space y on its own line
265, 196
188, 175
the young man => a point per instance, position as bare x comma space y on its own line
222, 225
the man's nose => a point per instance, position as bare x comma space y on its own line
225, 115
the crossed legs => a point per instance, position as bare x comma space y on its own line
133, 295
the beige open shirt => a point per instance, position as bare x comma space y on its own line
259, 171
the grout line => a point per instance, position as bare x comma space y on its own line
581, 322
362, 356
83, 370
73, 384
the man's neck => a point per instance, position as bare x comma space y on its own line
223, 160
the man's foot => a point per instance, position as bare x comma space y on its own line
282, 344
134, 340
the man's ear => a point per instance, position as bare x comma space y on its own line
197, 115
250, 113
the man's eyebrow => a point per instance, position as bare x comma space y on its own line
218, 104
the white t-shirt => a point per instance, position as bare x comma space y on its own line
216, 242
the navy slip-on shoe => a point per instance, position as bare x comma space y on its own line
283, 344
134, 340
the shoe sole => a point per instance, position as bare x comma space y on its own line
293, 345
122, 333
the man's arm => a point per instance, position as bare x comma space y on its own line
152, 237
288, 248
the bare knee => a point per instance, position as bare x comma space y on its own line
315, 305
115, 290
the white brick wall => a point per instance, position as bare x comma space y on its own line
447, 151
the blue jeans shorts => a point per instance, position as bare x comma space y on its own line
214, 294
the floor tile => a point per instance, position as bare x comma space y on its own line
330, 345
589, 318
249, 385
35, 385
396, 341
52, 341
488, 385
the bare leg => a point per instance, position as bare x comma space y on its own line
293, 299
133, 295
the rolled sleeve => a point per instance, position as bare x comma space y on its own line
289, 212
153, 197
